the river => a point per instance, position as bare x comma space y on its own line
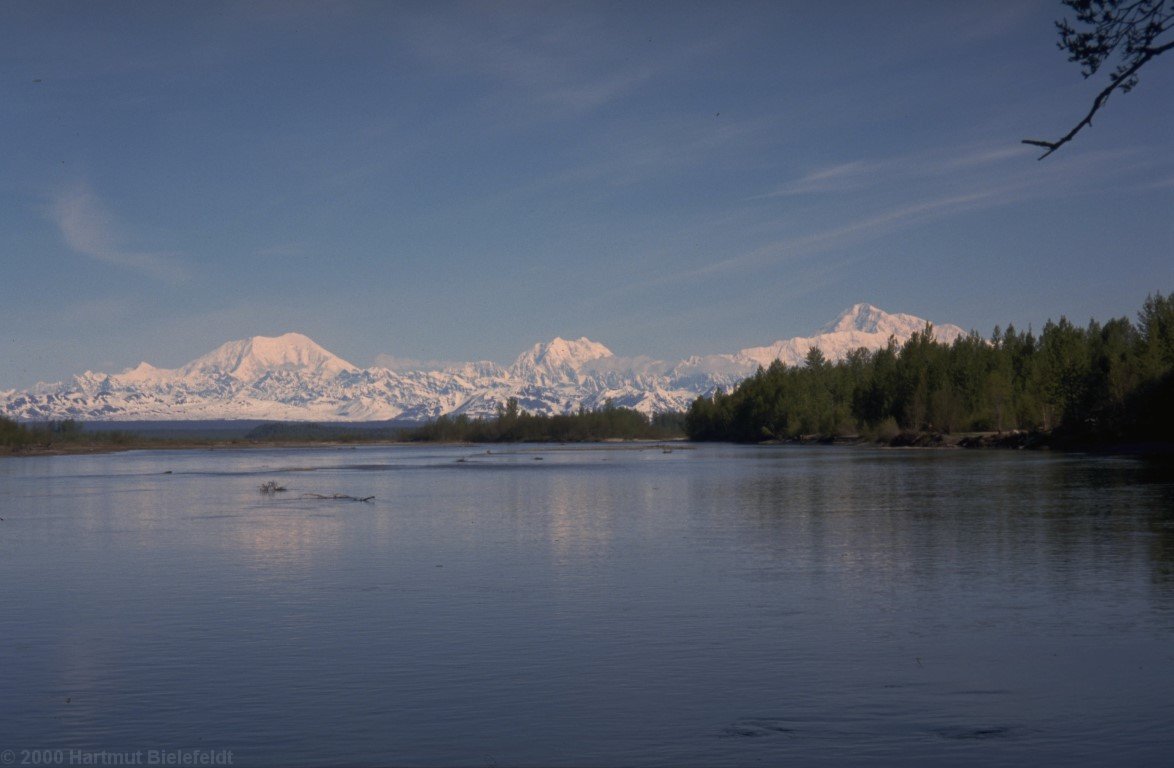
596, 605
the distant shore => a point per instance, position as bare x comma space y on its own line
1009, 440
1001, 441
81, 449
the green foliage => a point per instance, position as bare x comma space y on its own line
15, 436
1102, 382
511, 424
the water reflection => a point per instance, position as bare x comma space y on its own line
581, 517
899, 517
285, 536
723, 605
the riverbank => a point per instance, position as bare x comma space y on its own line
1007, 440
74, 449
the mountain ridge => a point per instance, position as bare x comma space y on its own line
291, 377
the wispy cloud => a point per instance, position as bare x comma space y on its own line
937, 185
90, 231
563, 60
935, 202
835, 178
918, 211
860, 174
869, 226
1165, 183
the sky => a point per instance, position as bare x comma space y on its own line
458, 181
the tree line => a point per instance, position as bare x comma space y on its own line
1109, 382
15, 436
1100, 383
511, 425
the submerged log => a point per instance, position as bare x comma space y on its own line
335, 497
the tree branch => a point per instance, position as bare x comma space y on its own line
1118, 81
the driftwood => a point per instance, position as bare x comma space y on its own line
334, 497
271, 487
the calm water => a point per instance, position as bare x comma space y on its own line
590, 606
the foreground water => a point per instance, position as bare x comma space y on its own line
588, 606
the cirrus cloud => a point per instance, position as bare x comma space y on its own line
88, 229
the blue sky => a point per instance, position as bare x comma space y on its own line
458, 181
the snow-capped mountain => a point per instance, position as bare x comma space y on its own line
861, 325
251, 359
290, 377
557, 361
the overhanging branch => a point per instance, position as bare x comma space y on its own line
1119, 79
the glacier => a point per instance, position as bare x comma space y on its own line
292, 378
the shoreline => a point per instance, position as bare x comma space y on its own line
79, 449
983, 441
1008, 440
177, 445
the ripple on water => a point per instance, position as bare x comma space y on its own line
968, 733
755, 727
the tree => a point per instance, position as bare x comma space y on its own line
1156, 323
815, 358
1129, 29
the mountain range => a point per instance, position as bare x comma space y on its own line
292, 378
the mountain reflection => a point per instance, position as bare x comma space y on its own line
581, 517
1065, 524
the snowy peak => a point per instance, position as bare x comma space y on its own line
291, 377
859, 317
560, 358
145, 373
560, 351
865, 318
861, 326
250, 359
